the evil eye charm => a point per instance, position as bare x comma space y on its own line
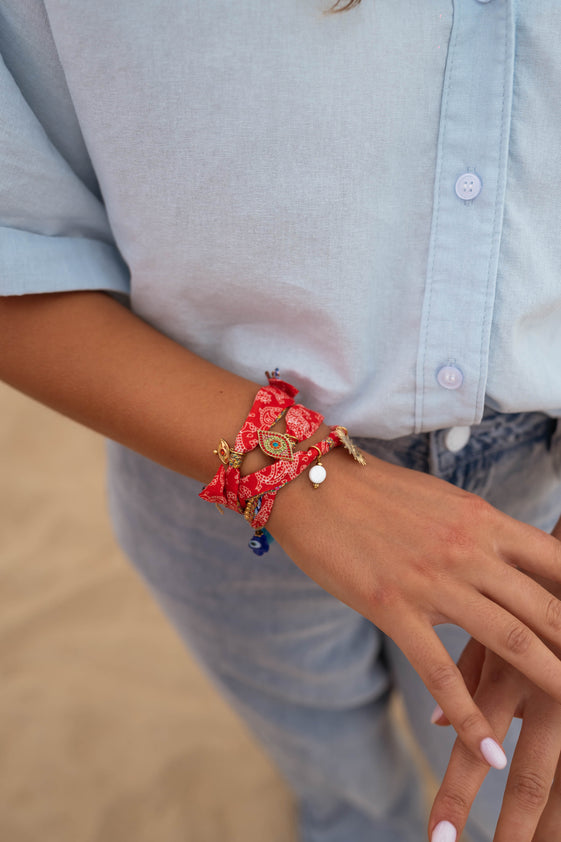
223, 452
260, 542
277, 445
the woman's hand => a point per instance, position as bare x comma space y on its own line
409, 551
404, 549
531, 809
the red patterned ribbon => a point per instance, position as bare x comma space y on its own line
270, 403
258, 491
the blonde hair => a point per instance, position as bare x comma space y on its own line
337, 7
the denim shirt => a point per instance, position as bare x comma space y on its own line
368, 200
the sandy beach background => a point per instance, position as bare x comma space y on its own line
109, 731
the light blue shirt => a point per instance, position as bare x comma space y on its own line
370, 201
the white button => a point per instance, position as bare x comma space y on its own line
483, 1
468, 186
456, 438
449, 377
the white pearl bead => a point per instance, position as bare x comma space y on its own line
317, 474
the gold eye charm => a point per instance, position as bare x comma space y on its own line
223, 452
277, 445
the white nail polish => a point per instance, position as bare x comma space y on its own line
493, 753
444, 832
436, 714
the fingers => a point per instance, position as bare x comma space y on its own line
509, 637
470, 664
444, 682
527, 793
498, 697
550, 821
526, 599
533, 767
528, 547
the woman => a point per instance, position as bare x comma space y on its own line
194, 192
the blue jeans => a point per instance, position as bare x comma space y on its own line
311, 677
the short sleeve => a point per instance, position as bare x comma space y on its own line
54, 231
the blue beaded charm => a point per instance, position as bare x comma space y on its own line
261, 542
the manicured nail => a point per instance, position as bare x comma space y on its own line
444, 832
493, 753
436, 714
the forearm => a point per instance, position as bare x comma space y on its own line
405, 549
88, 357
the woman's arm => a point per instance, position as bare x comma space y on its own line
88, 357
404, 549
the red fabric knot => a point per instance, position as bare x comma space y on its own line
270, 404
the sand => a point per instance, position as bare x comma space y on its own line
109, 732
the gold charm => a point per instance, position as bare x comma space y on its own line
227, 456
235, 459
317, 473
343, 436
251, 505
223, 452
277, 445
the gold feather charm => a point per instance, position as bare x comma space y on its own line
343, 436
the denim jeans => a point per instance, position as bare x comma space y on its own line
311, 677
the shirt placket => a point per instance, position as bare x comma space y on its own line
469, 193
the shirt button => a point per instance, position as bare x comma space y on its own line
449, 377
456, 438
483, 1
468, 186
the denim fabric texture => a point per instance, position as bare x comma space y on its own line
310, 676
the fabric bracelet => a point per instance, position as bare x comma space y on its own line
257, 492
253, 495
270, 404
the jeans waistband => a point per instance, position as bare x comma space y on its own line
496, 433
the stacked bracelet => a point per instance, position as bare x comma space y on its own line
257, 491
253, 495
271, 403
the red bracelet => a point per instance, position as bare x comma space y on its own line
270, 404
257, 492
254, 495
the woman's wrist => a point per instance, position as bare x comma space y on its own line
248, 483
298, 504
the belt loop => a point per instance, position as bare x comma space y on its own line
555, 428
434, 452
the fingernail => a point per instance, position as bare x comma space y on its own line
444, 832
436, 714
493, 753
